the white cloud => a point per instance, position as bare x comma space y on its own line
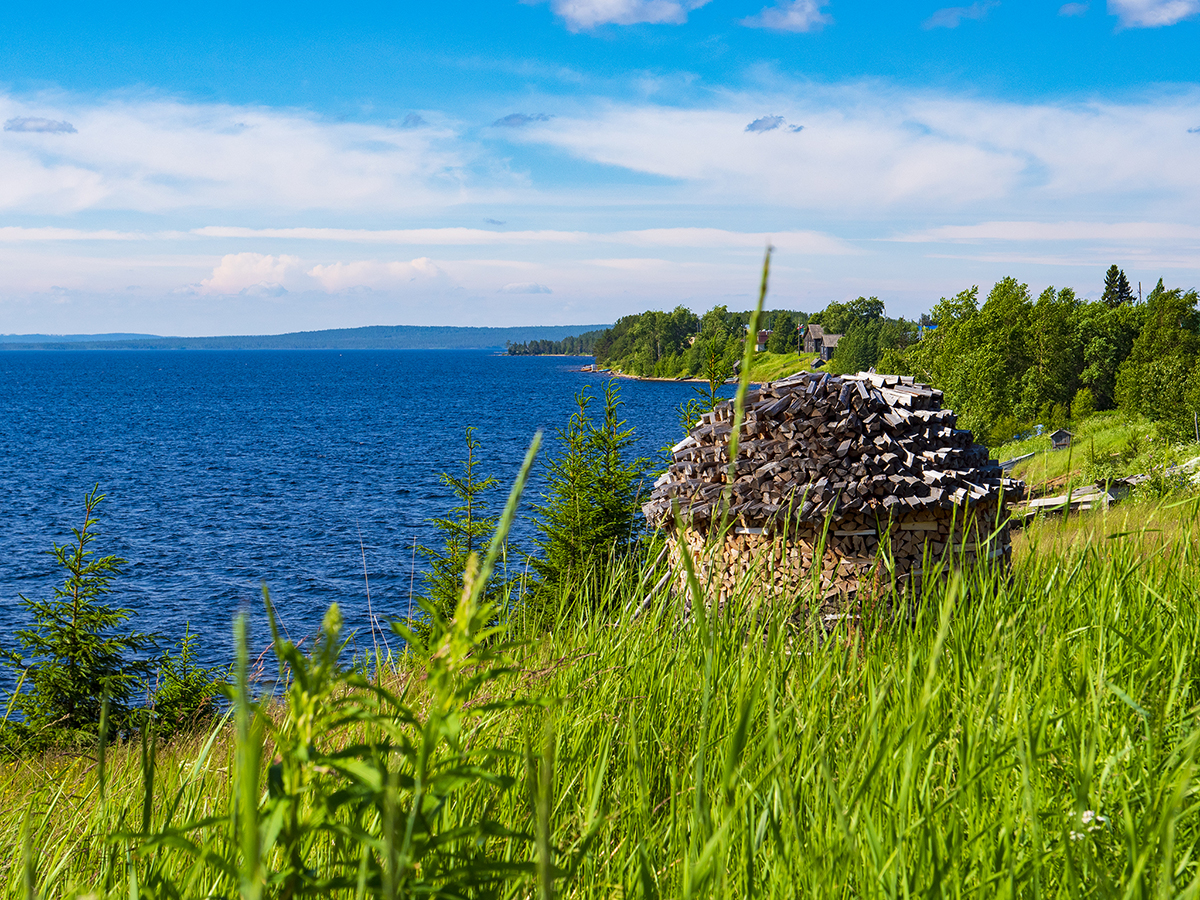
156, 155
373, 274
14, 233
253, 274
791, 15
951, 16
585, 14
261, 275
1073, 9
1152, 13
525, 287
873, 151
696, 238
1056, 231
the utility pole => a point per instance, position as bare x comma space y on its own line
1139, 292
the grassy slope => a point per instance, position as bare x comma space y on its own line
958, 754
771, 366
1105, 445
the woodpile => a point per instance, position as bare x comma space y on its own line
829, 469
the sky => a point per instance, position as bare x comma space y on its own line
222, 168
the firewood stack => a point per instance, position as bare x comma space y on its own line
831, 463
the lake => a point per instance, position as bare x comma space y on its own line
225, 470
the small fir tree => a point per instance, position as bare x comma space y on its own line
465, 530
78, 650
591, 509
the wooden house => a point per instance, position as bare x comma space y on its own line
815, 340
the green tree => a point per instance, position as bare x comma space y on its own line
1116, 288
1055, 359
591, 510
784, 335
464, 531
78, 650
1105, 336
1153, 379
1082, 406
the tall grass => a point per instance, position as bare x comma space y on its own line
1034, 735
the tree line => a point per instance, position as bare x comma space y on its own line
1012, 360
574, 345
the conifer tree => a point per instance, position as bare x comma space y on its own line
465, 530
1116, 287
78, 651
591, 505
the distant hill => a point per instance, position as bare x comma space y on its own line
372, 337
71, 338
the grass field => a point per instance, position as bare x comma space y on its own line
1024, 736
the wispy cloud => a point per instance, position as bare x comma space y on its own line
1152, 13
1054, 231
525, 287
519, 120
1073, 9
264, 275
952, 16
580, 15
692, 238
152, 155
43, 126
791, 15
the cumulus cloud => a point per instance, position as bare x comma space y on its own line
44, 126
525, 287
519, 120
791, 15
585, 14
252, 274
1152, 13
1073, 9
951, 16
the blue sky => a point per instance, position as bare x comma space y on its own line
216, 169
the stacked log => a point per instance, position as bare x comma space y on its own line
828, 468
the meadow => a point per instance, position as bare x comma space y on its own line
1018, 735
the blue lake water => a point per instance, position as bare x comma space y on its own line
227, 470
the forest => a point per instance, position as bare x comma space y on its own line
1006, 364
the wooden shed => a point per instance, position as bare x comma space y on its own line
1060, 439
844, 483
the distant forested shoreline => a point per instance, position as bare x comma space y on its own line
370, 337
